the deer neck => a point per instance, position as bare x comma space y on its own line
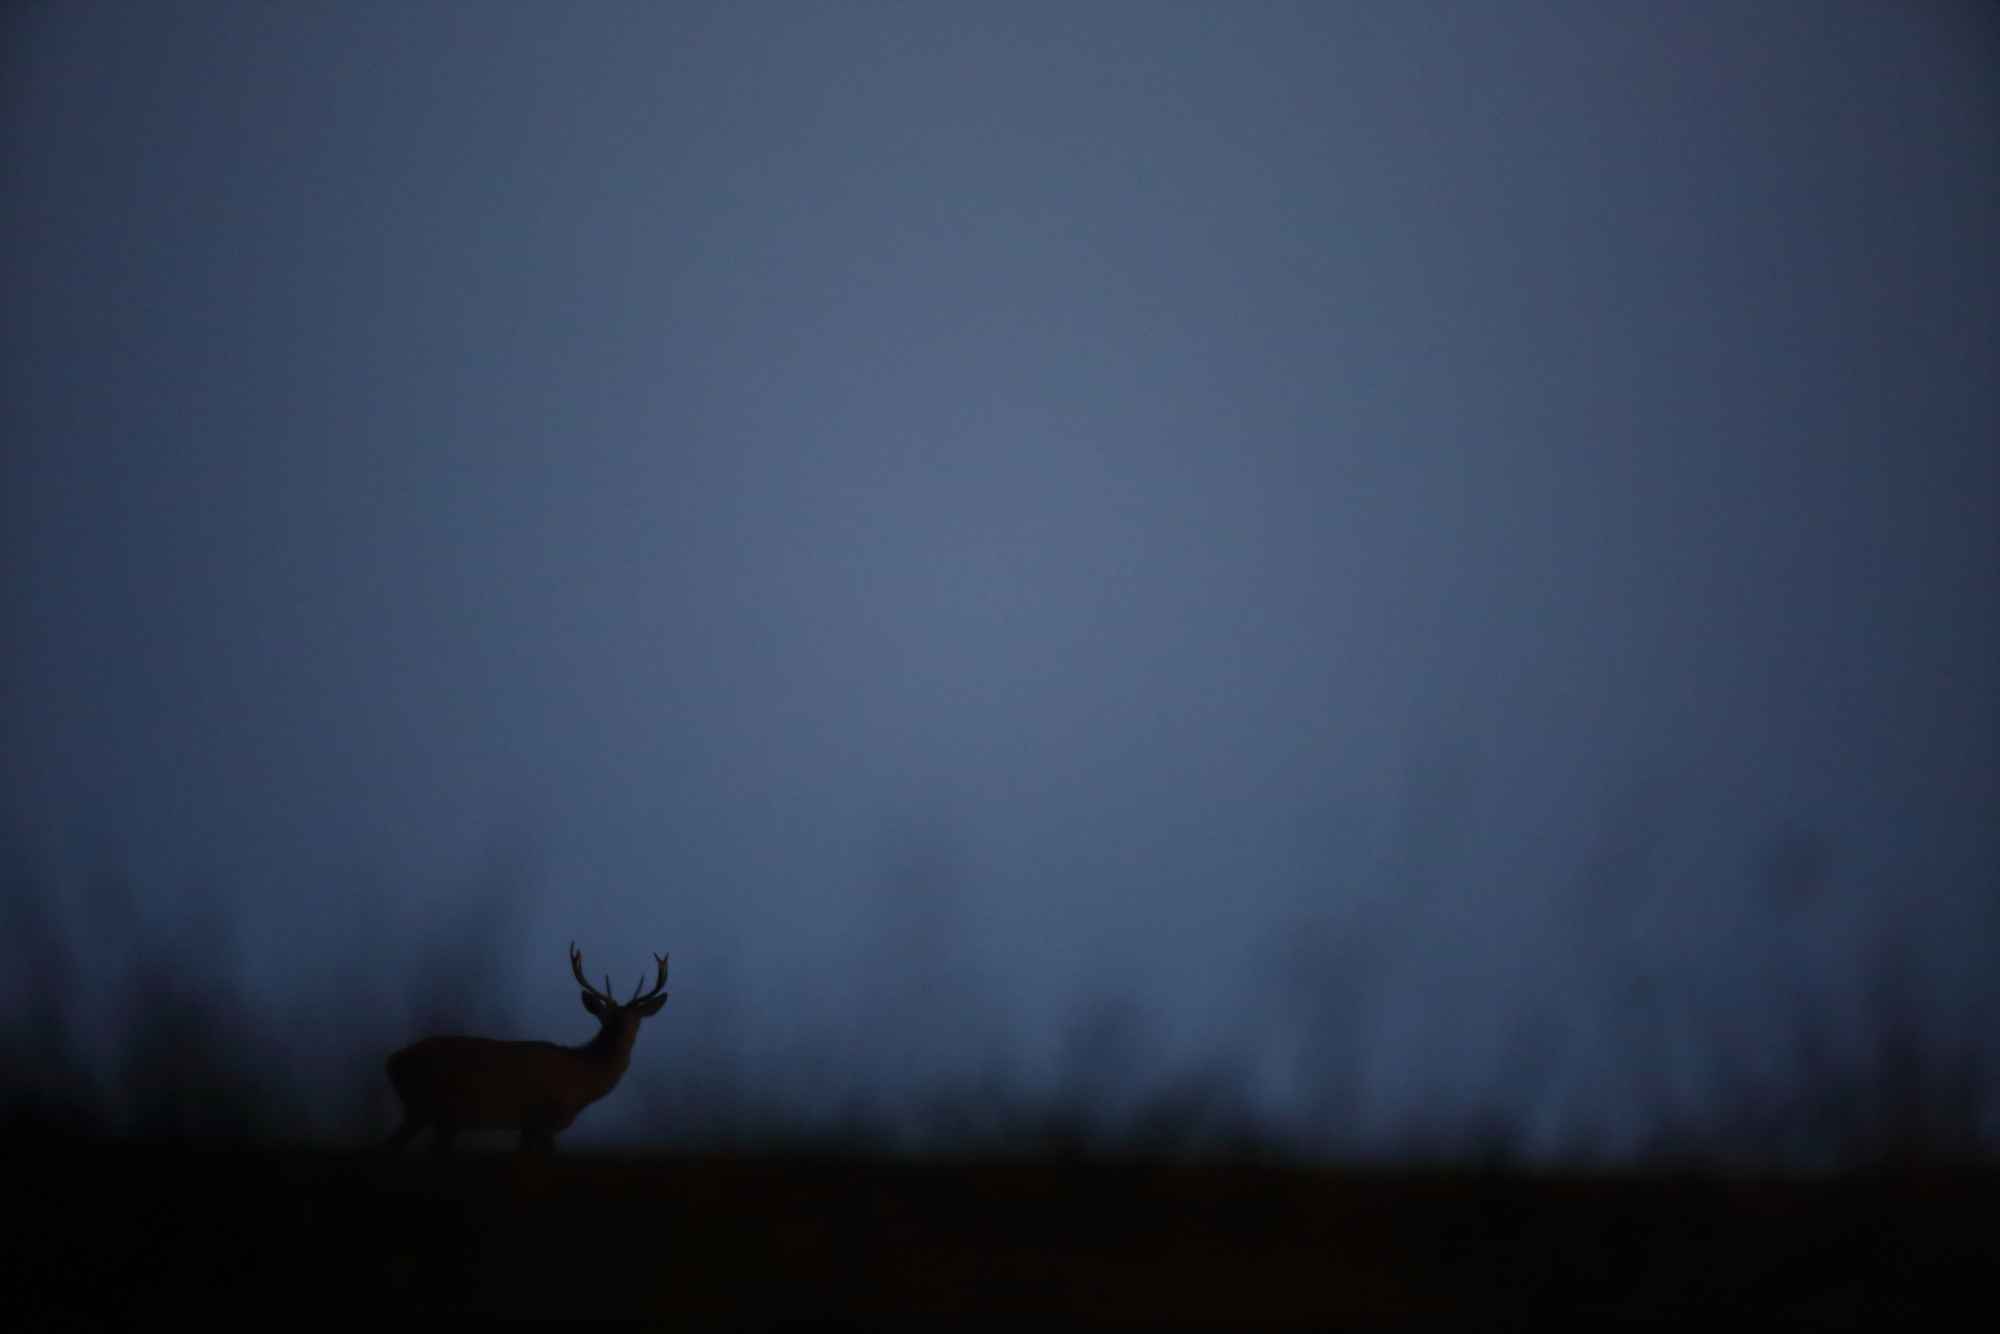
609, 1051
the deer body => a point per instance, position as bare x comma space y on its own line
449, 1084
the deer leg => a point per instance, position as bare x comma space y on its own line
539, 1130
405, 1132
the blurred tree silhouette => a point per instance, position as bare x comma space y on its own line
921, 1003
1105, 1055
1200, 1109
1858, 1067
1882, 1085
195, 1062
1864, 1064
473, 957
1330, 972
189, 1053
191, 1059
48, 1088
700, 1094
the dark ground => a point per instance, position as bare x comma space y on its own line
123, 1234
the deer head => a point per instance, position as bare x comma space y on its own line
620, 1022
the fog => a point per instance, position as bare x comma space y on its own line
1405, 575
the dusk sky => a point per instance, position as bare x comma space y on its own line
953, 518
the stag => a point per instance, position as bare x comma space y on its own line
449, 1084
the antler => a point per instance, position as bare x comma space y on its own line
659, 981
576, 967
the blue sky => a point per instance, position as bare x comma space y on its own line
1457, 481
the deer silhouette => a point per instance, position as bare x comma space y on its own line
449, 1084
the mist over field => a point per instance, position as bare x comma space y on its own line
1384, 580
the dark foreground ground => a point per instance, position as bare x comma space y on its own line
124, 1235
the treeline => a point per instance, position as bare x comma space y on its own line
155, 1033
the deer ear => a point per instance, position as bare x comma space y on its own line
646, 1009
592, 1004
